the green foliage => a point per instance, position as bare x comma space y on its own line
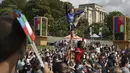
19, 4
58, 27
109, 20
82, 27
5, 11
96, 26
53, 9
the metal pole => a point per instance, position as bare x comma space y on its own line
46, 25
34, 25
37, 54
41, 26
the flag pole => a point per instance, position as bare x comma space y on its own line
40, 26
37, 54
28, 32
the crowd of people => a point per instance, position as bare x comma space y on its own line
82, 58
93, 58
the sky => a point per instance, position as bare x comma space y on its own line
109, 5
1, 1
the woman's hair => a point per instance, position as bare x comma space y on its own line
79, 44
12, 37
124, 60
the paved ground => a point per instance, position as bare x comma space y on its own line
53, 39
103, 41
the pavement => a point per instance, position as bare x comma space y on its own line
53, 39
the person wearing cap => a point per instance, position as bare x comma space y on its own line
12, 44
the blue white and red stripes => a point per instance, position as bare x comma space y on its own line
25, 25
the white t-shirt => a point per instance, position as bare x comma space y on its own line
98, 50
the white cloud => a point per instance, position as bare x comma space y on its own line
1, 1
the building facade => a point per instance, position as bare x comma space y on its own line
93, 12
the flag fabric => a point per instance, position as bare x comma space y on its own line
25, 25
28, 27
119, 22
28, 31
37, 23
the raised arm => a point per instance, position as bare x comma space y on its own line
78, 13
67, 17
66, 9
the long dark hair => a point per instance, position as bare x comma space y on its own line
79, 44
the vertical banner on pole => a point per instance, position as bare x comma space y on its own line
41, 26
37, 25
119, 25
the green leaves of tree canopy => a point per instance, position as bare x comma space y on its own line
16, 3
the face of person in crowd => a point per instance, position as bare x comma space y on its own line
102, 58
64, 68
93, 55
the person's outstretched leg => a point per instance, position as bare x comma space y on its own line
77, 20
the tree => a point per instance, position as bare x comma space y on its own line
58, 27
97, 26
40, 8
19, 4
5, 11
109, 20
82, 27
53, 9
